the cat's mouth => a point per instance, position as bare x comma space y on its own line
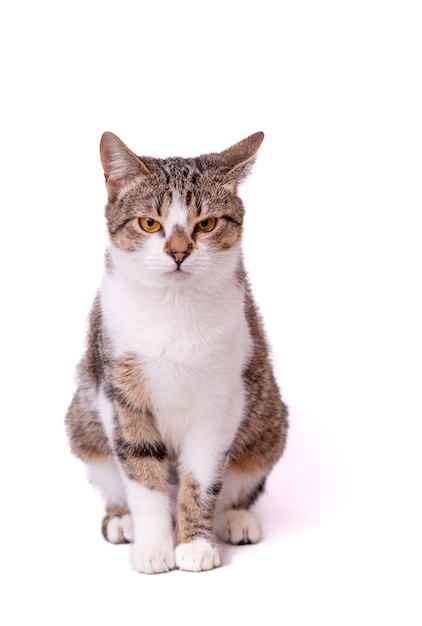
179, 273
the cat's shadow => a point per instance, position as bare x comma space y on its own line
303, 488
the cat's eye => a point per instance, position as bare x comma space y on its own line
149, 225
206, 226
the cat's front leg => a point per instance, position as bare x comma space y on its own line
142, 457
152, 551
145, 480
196, 548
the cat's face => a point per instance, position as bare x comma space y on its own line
175, 220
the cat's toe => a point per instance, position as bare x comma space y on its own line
148, 559
239, 526
197, 555
117, 526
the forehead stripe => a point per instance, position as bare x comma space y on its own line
177, 214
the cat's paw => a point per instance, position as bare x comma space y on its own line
197, 555
152, 559
239, 526
117, 526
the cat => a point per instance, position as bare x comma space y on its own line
175, 391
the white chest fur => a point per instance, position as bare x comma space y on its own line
192, 347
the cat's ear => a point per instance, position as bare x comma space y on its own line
119, 163
237, 160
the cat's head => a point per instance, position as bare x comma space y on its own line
177, 219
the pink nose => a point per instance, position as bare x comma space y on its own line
179, 255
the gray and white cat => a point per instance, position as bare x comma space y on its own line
176, 380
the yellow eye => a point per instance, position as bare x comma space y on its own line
207, 225
149, 225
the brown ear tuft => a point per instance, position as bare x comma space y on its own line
119, 163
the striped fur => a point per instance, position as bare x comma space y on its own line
176, 379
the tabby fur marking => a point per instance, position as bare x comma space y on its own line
175, 391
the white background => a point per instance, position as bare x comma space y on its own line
332, 244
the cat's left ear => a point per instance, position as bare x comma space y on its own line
237, 160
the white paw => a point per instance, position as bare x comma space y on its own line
152, 559
239, 527
119, 529
196, 556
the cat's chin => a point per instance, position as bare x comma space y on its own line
176, 276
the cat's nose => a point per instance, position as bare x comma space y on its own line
179, 256
179, 245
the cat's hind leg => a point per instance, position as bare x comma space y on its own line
235, 523
104, 475
239, 527
88, 441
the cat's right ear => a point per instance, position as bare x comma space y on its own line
119, 163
